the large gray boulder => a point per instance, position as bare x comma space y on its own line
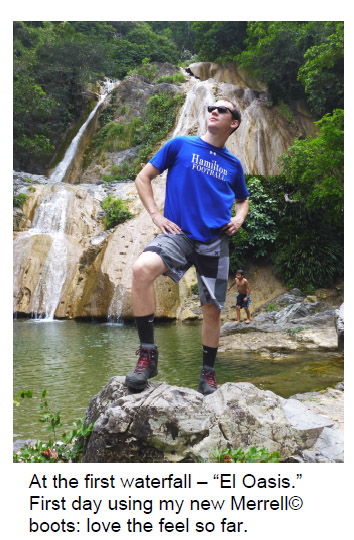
173, 424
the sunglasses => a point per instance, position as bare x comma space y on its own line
221, 109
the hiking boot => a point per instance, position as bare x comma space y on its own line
207, 382
145, 369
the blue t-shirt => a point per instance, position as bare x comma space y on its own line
203, 182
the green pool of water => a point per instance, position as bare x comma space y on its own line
74, 360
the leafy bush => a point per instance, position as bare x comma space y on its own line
257, 236
309, 246
19, 200
322, 73
271, 307
147, 70
160, 118
250, 455
310, 259
115, 136
176, 79
123, 173
314, 168
297, 59
286, 112
116, 212
195, 288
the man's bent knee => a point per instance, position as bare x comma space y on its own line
148, 267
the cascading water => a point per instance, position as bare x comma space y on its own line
48, 230
116, 307
51, 220
58, 174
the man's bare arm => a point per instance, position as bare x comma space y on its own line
242, 208
146, 194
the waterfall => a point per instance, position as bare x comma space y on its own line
58, 174
46, 236
50, 220
116, 307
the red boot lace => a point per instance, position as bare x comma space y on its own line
210, 378
144, 360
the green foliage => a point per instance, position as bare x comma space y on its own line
116, 136
274, 52
195, 288
294, 331
160, 118
309, 257
174, 79
271, 307
47, 416
250, 455
218, 41
147, 70
123, 173
314, 168
309, 246
323, 71
107, 115
286, 112
19, 200
51, 451
113, 137
302, 239
157, 47
116, 212
257, 236
181, 33
22, 395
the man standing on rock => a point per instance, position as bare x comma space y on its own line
203, 182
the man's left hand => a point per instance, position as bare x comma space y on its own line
233, 226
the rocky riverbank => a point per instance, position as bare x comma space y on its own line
287, 322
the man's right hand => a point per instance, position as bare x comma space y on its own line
164, 224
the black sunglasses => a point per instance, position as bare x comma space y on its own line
220, 109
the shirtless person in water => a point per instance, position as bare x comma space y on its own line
243, 298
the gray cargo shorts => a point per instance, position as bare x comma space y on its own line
211, 261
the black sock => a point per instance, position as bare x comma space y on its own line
145, 326
209, 356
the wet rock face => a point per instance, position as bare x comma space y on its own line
173, 424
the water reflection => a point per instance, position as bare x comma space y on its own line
74, 360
